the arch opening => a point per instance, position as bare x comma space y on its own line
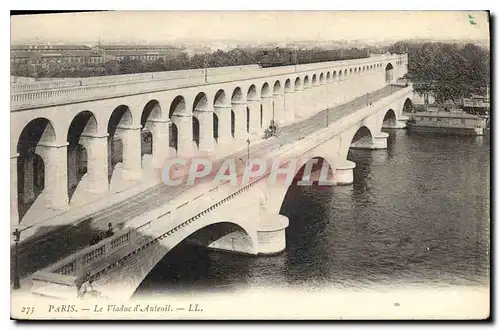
297, 83
216, 127
307, 84
121, 117
232, 123
178, 106
220, 98
30, 165
389, 72
84, 124
277, 87
389, 118
265, 90
150, 113
362, 138
196, 131
184, 269
248, 120
408, 106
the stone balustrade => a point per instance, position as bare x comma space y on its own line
62, 92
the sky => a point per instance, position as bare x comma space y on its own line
165, 26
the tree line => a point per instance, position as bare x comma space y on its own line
183, 62
447, 71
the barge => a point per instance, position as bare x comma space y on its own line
453, 122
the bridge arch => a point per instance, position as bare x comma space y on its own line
407, 105
30, 163
265, 91
200, 104
225, 234
389, 73
307, 171
252, 93
177, 107
307, 83
236, 98
84, 124
328, 77
314, 80
390, 118
355, 71
220, 102
277, 87
321, 78
120, 120
150, 114
288, 86
297, 84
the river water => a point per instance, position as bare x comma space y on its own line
417, 214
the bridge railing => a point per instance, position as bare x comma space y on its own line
62, 92
68, 270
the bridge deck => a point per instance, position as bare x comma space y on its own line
38, 253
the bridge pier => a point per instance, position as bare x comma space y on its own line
240, 115
205, 118
55, 158
254, 108
279, 108
396, 124
223, 113
97, 162
267, 110
376, 142
298, 99
161, 139
132, 162
184, 123
289, 111
344, 173
271, 237
307, 101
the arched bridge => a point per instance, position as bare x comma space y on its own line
81, 144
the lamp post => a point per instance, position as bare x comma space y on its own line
205, 64
17, 236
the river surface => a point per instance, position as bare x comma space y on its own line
417, 214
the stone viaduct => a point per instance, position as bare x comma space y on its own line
70, 140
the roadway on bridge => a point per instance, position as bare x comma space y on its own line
60, 242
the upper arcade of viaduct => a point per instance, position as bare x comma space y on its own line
188, 91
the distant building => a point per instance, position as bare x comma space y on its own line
45, 55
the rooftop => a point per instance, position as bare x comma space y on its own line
48, 47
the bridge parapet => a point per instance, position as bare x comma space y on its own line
61, 92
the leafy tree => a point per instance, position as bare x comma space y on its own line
446, 71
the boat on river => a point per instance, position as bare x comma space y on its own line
451, 122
